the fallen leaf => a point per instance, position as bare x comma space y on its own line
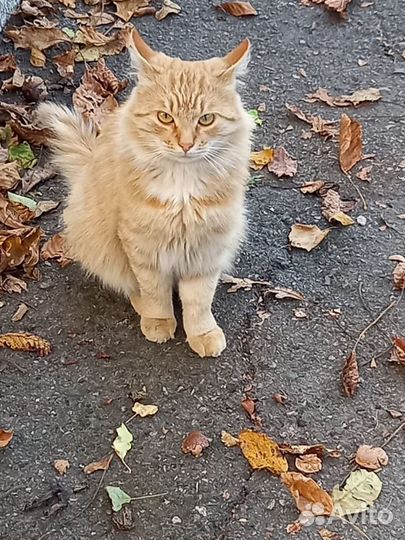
123, 442
237, 9
332, 208
5, 437
294, 528
55, 248
118, 497
228, 439
20, 312
364, 174
308, 463
61, 465
303, 449
283, 164
260, 159
326, 534
247, 284
360, 96
194, 443
325, 128
308, 495
398, 351
39, 174
306, 237
7, 62
144, 410
101, 465
350, 143
23, 154
9, 175
65, 63
126, 9
25, 342
167, 8
262, 452
371, 457
350, 374
360, 491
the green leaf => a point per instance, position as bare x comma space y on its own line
360, 491
118, 497
26, 201
122, 443
23, 154
254, 113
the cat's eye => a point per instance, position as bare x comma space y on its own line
206, 119
165, 117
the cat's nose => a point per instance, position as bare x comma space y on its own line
186, 146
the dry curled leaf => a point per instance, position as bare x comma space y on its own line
61, 465
350, 143
333, 206
306, 237
357, 97
20, 312
282, 164
144, 410
371, 457
350, 374
5, 437
308, 463
260, 159
194, 443
262, 452
308, 495
319, 125
101, 465
398, 351
238, 9
56, 248
167, 8
228, 439
25, 342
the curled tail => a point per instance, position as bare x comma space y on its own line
72, 139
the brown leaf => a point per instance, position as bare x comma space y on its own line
5, 437
364, 174
360, 96
398, 351
262, 452
283, 164
308, 463
332, 208
126, 9
9, 175
55, 248
61, 465
37, 175
238, 9
228, 439
194, 443
20, 312
350, 374
101, 465
65, 63
303, 449
350, 143
371, 457
7, 62
25, 342
28, 37
167, 8
306, 237
308, 495
325, 128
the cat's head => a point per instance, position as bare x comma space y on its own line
185, 111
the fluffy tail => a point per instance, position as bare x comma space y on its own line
72, 139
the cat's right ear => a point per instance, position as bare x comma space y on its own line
141, 54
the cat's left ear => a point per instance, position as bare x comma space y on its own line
141, 54
236, 61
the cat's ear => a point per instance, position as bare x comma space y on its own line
236, 61
141, 54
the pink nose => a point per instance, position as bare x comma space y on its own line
186, 146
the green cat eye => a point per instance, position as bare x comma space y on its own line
206, 119
165, 117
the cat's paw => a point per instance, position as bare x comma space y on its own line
158, 330
210, 344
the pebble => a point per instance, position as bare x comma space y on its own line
361, 220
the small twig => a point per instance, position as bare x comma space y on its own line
401, 426
363, 200
355, 527
370, 325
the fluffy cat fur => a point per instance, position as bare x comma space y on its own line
144, 214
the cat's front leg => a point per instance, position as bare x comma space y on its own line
154, 303
204, 336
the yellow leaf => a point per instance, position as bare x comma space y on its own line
262, 452
25, 342
144, 410
258, 160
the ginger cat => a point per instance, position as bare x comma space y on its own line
157, 197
